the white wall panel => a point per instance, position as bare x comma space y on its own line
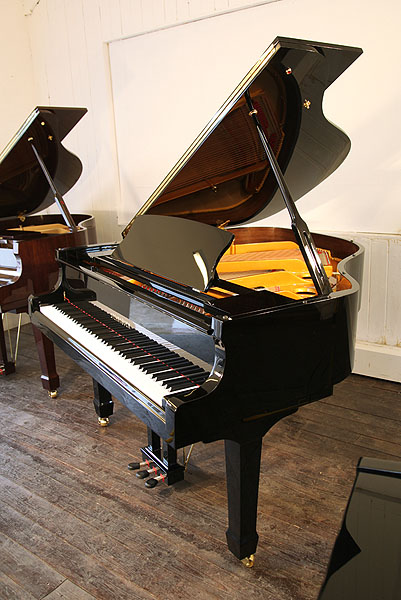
378, 289
378, 351
392, 332
17, 83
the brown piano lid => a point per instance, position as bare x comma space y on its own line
23, 186
224, 175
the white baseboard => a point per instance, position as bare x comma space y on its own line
378, 360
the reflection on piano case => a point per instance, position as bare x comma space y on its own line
365, 562
35, 169
209, 333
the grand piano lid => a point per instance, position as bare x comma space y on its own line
24, 189
224, 176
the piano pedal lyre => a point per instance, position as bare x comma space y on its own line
160, 460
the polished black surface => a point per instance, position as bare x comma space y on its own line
24, 189
366, 559
177, 249
224, 176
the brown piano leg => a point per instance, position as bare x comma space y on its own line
242, 470
6, 366
103, 403
50, 379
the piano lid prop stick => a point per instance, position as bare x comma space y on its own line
298, 225
57, 196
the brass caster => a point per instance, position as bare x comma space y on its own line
103, 421
53, 393
249, 561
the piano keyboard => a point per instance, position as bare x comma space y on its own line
152, 365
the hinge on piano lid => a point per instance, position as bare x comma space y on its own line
223, 225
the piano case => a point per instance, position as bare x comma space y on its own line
204, 326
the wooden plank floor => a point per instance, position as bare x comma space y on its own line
76, 524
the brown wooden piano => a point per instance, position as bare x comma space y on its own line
35, 170
204, 326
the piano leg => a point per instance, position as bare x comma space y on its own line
242, 471
50, 379
6, 366
103, 403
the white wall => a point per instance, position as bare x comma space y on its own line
189, 71
17, 85
70, 66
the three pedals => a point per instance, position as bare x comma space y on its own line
144, 473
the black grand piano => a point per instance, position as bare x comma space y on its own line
207, 328
35, 170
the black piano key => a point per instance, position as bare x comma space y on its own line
190, 374
142, 360
173, 373
105, 335
129, 351
122, 331
142, 343
95, 327
165, 370
134, 353
179, 363
166, 375
176, 387
121, 344
162, 366
199, 379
